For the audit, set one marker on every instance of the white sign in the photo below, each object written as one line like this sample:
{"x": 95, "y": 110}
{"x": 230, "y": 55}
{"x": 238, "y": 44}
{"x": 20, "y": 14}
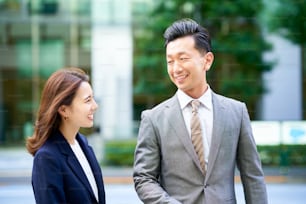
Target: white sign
{"x": 294, "y": 132}
{"x": 266, "y": 132}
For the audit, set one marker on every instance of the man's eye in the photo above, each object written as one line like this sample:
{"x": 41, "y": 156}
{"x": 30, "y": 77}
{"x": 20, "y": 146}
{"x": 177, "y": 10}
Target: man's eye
{"x": 183, "y": 58}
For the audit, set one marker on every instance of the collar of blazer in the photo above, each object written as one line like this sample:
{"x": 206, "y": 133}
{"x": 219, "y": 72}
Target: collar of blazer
{"x": 173, "y": 110}
{"x": 73, "y": 162}
{"x": 219, "y": 121}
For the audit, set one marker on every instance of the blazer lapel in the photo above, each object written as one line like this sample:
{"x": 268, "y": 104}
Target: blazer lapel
{"x": 176, "y": 120}
{"x": 74, "y": 163}
{"x": 217, "y": 132}
{"x": 94, "y": 166}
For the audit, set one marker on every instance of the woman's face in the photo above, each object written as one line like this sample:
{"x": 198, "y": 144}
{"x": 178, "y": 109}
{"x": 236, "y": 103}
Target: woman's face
{"x": 80, "y": 112}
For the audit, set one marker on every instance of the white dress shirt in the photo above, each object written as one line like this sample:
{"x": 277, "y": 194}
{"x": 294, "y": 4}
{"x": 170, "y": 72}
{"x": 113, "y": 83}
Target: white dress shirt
{"x": 85, "y": 166}
{"x": 205, "y": 113}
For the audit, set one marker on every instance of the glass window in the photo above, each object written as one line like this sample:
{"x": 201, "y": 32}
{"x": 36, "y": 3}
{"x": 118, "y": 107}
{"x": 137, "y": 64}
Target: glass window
{"x": 47, "y": 7}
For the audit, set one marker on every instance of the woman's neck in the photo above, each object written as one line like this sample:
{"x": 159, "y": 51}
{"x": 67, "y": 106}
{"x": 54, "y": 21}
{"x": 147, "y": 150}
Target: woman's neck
{"x": 69, "y": 133}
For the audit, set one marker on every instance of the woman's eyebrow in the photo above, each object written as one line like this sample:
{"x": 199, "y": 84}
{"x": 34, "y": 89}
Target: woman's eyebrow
{"x": 87, "y": 97}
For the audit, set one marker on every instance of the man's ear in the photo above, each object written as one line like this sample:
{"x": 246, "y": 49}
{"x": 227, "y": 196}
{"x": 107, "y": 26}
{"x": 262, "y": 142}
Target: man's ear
{"x": 209, "y": 59}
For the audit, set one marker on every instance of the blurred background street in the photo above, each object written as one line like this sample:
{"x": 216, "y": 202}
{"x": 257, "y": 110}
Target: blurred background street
{"x": 284, "y": 186}
{"x": 260, "y": 59}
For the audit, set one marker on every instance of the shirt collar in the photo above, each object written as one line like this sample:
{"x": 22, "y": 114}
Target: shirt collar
{"x": 205, "y": 99}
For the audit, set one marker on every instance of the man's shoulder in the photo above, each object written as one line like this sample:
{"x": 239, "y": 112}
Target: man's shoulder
{"x": 158, "y": 107}
{"x": 226, "y": 99}
{"x": 158, "y": 110}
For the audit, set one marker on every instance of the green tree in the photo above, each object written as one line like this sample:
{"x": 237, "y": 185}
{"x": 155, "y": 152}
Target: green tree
{"x": 288, "y": 18}
{"x": 237, "y": 43}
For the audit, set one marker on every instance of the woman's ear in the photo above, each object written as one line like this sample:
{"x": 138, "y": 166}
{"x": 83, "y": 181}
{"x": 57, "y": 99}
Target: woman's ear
{"x": 62, "y": 110}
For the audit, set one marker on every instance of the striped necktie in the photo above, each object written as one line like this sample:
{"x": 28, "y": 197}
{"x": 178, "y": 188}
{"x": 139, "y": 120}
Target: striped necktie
{"x": 196, "y": 133}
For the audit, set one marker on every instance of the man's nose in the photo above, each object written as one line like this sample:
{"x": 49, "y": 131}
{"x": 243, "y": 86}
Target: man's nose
{"x": 177, "y": 67}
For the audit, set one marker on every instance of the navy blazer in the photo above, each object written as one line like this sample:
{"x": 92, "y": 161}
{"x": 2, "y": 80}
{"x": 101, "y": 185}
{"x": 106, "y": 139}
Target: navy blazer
{"x": 58, "y": 177}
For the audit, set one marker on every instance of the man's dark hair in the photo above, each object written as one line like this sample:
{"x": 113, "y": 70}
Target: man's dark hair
{"x": 188, "y": 27}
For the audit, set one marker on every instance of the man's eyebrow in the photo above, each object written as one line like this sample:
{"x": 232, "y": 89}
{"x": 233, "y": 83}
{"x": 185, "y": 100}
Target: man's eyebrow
{"x": 178, "y": 53}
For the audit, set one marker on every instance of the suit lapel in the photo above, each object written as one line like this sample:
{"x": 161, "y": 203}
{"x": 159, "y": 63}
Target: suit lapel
{"x": 176, "y": 120}
{"x": 74, "y": 163}
{"x": 93, "y": 165}
{"x": 217, "y": 131}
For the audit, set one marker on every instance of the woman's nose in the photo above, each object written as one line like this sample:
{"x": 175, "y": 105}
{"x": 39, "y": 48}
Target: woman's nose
{"x": 95, "y": 105}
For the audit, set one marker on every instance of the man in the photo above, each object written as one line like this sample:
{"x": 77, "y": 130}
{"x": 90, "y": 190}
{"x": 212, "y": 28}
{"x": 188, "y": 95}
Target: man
{"x": 168, "y": 167}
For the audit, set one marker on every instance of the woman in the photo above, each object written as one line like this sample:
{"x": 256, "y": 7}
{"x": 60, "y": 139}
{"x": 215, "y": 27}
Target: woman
{"x": 65, "y": 169}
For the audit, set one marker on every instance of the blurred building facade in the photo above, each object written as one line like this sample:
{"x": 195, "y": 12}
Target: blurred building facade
{"x": 283, "y": 99}
{"x": 38, "y": 37}
{"x": 111, "y": 58}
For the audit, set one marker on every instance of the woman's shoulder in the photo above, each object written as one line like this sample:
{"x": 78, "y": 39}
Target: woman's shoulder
{"x": 50, "y": 147}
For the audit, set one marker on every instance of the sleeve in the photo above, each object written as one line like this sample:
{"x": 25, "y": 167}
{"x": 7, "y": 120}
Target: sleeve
{"x": 47, "y": 179}
{"x": 147, "y": 165}
{"x": 249, "y": 164}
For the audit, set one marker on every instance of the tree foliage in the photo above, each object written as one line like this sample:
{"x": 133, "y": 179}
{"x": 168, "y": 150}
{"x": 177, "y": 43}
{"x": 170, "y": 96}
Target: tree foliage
{"x": 289, "y": 20}
{"x": 237, "y": 42}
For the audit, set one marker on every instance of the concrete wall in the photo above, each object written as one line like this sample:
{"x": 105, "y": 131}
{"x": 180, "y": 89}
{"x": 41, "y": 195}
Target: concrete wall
{"x": 283, "y": 101}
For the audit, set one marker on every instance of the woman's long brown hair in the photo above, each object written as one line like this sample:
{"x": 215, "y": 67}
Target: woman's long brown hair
{"x": 59, "y": 89}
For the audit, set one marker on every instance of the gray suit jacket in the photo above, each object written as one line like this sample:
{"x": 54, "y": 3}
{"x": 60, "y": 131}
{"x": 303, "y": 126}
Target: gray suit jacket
{"x": 166, "y": 168}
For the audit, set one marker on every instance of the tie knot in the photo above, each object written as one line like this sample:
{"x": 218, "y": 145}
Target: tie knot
{"x": 195, "y": 105}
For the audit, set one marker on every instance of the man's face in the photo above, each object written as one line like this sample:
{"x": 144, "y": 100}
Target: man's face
{"x": 187, "y": 66}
